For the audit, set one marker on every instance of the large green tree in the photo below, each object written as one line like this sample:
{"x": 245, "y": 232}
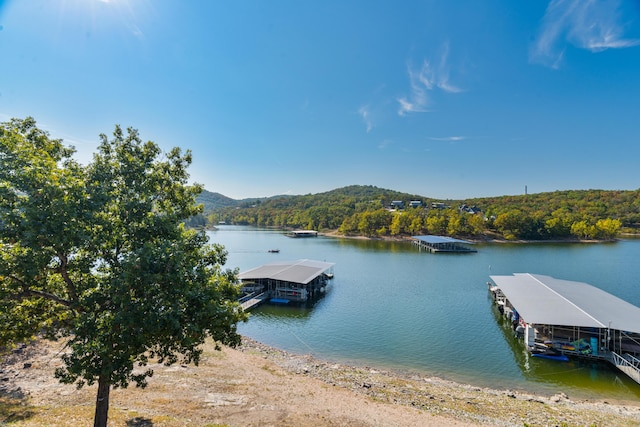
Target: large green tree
{"x": 99, "y": 254}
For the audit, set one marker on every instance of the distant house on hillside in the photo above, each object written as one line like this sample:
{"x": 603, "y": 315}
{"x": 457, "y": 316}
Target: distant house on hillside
{"x": 472, "y": 210}
{"x": 397, "y": 204}
{"x": 415, "y": 203}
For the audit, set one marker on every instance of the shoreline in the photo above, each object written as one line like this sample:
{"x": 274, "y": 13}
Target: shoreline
{"x": 295, "y": 360}
{"x": 488, "y": 240}
{"x": 444, "y": 396}
{"x": 258, "y": 385}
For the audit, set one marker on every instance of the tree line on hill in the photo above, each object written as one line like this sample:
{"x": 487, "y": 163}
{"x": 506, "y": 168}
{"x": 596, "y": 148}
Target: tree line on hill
{"x": 369, "y": 211}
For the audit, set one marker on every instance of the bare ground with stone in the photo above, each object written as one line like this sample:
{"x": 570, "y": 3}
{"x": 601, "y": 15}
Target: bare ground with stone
{"x": 256, "y": 385}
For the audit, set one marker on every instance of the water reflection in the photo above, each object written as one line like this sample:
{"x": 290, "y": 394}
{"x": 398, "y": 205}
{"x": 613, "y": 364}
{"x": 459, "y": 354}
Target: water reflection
{"x": 375, "y": 244}
{"x": 284, "y": 311}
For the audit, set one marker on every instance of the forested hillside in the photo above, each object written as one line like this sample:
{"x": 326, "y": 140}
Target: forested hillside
{"x": 368, "y": 210}
{"x": 215, "y": 201}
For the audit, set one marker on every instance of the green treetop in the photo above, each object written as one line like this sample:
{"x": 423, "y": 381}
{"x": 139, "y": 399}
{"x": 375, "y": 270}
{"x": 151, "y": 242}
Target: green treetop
{"x": 99, "y": 254}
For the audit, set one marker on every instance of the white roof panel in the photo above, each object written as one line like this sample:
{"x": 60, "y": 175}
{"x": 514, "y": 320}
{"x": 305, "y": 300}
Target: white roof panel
{"x": 546, "y": 300}
{"x": 300, "y": 271}
{"x": 440, "y": 239}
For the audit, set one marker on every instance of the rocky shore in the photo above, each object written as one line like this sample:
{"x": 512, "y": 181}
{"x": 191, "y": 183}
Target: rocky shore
{"x": 477, "y": 405}
{"x": 257, "y": 385}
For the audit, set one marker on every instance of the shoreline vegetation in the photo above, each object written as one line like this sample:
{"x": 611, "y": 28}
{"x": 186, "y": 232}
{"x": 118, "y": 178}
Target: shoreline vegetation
{"x": 372, "y": 211}
{"x": 484, "y": 239}
{"x": 487, "y": 237}
{"x": 258, "y": 385}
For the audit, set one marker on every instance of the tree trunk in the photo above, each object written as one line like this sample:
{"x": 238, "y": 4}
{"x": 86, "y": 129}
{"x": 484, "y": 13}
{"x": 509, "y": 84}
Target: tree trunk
{"x": 102, "y": 403}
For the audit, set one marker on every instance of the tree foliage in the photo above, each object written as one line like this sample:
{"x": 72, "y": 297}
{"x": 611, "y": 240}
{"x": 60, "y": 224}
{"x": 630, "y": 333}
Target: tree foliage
{"x": 353, "y": 210}
{"x": 99, "y": 254}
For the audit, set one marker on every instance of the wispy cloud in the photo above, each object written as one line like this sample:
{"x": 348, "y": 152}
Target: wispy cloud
{"x": 365, "y": 113}
{"x": 587, "y": 24}
{"x": 443, "y": 72}
{"x": 424, "y": 80}
{"x": 125, "y": 12}
{"x": 448, "y": 138}
{"x": 385, "y": 143}
{"x": 136, "y": 31}
{"x": 416, "y": 101}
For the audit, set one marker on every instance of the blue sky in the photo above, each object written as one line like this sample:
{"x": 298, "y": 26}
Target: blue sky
{"x": 445, "y": 99}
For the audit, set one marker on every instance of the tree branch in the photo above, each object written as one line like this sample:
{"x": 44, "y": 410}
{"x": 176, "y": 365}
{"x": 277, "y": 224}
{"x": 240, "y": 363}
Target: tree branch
{"x": 71, "y": 287}
{"x": 28, "y": 292}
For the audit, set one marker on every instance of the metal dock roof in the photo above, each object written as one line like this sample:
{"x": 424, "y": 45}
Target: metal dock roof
{"x": 440, "y": 239}
{"x": 546, "y": 300}
{"x": 300, "y": 271}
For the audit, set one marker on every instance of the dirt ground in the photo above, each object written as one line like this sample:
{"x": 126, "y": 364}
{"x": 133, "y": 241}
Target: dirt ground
{"x": 256, "y": 385}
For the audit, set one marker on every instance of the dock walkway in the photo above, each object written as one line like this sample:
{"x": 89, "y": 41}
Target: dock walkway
{"x": 628, "y": 364}
{"x": 254, "y": 301}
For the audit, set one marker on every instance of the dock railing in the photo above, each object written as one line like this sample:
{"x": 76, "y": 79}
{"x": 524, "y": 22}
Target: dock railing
{"x": 253, "y": 300}
{"x": 627, "y": 364}
{"x": 633, "y": 360}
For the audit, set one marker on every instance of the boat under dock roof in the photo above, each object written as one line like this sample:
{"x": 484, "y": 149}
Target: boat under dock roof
{"x": 546, "y": 300}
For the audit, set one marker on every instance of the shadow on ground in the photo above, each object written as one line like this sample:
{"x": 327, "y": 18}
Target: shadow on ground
{"x": 140, "y": 422}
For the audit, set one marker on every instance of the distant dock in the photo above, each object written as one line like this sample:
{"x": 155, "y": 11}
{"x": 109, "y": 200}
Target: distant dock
{"x": 436, "y": 244}
{"x": 302, "y": 233}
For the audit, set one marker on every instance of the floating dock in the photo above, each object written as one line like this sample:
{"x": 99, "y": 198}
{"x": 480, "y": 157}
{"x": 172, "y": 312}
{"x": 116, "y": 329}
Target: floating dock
{"x": 293, "y": 281}
{"x": 302, "y": 233}
{"x": 573, "y": 319}
{"x": 436, "y": 244}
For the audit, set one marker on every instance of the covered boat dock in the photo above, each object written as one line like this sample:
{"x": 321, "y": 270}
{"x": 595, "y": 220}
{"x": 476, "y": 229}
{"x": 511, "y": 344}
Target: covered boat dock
{"x": 288, "y": 281}
{"x": 437, "y": 244}
{"x": 570, "y": 318}
{"x": 302, "y": 233}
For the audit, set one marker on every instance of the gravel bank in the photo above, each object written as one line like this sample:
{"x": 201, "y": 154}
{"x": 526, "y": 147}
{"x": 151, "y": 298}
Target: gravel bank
{"x": 257, "y": 385}
{"x": 459, "y": 401}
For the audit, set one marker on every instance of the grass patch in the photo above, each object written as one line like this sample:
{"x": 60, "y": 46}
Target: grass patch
{"x": 36, "y": 416}
{"x": 12, "y": 410}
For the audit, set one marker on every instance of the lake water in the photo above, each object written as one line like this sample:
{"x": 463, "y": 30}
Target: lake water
{"x": 391, "y": 306}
